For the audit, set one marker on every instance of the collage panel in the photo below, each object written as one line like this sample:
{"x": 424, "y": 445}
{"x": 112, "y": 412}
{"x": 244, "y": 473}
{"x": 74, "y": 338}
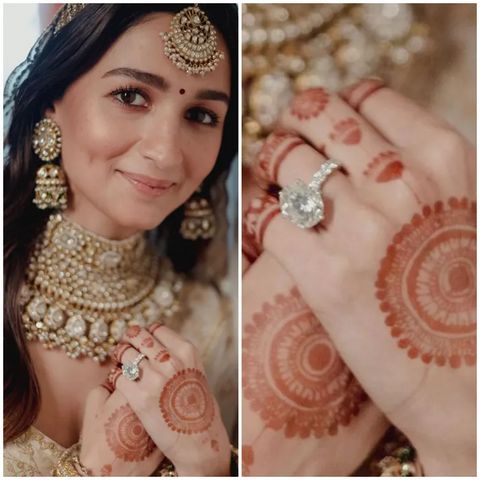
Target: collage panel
{"x": 358, "y": 239}
{"x": 120, "y": 251}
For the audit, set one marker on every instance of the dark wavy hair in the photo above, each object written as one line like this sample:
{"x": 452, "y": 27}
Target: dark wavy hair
{"x": 74, "y": 50}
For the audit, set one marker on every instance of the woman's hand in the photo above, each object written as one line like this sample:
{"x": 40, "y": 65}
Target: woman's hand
{"x": 174, "y": 402}
{"x": 391, "y": 271}
{"x": 113, "y": 440}
{"x": 302, "y": 407}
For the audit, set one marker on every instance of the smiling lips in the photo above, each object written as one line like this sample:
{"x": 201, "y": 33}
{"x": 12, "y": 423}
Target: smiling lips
{"x": 144, "y": 184}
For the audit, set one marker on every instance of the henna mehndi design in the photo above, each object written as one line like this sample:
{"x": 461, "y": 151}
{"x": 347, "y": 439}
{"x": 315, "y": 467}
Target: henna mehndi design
{"x": 309, "y": 104}
{"x": 127, "y": 437}
{"x": 292, "y": 375}
{"x": 427, "y": 284}
{"x": 185, "y": 402}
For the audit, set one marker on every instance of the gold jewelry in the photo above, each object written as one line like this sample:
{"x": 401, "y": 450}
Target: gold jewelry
{"x": 65, "y": 15}
{"x": 166, "y": 469}
{"x": 292, "y": 47}
{"x": 199, "y": 219}
{"x": 50, "y": 183}
{"x": 82, "y": 291}
{"x": 191, "y": 43}
{"x": 69, "y": 464}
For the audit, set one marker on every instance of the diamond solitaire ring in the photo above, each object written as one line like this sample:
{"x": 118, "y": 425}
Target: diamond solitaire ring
{"x": 130, "y": 369}
{"x": 302, "y": 204}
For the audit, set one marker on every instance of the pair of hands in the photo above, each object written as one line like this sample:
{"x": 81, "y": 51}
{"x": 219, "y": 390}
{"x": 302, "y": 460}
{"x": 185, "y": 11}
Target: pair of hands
{"x": 130, "y": 426}
{"x": 391, "y": 272}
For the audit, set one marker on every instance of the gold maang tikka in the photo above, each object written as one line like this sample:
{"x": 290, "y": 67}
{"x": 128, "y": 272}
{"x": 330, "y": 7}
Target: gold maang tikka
{"x": 191, "y": 43}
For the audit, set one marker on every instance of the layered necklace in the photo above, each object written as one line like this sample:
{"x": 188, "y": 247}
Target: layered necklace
{"x": 82, "y": 291}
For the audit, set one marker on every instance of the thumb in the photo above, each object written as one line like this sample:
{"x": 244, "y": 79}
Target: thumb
{"x": 95, "y": 401}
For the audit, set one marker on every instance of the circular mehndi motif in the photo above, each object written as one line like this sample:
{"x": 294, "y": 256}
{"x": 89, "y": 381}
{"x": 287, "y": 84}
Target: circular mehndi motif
{"x": 185, "y": 402}
{"x": 427, "y": 284}
{"x": 292, "y": 375}
{"x": 127, "y": 437}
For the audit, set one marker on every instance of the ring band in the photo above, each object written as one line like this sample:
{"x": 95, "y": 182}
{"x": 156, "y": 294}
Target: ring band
{"x": 130, "y": 370}
{"x": 302, "y": 204}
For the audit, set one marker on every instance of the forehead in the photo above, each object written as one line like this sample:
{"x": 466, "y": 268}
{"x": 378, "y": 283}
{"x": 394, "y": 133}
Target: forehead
{"x": 141, "y": 47}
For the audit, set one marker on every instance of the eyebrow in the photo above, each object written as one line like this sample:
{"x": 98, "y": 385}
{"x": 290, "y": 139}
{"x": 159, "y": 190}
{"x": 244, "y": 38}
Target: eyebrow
{"x": 149, "y": 78}
{"x": 213, "y": 95}
{"x": 160, "y": 83}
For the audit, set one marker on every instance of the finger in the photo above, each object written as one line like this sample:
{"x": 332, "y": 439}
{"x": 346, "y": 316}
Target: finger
{"x": 397, "y": 118}
{"x": 182, "y": 352}
{"x": 339, "y": 196}
{"x": 334, "y": 128}
{"x": 274, "y": 150}
{"x": 357, "y": 93}
{"x": 259, "y": 214}
{"x": 94, "y": 402}
{"x": 144, "y": 341}
{"x": 113, "y": 377}
{"x": 376, "y": 168}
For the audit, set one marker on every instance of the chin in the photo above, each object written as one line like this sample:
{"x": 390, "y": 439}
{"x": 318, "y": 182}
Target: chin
{"x": 135, "y": 220}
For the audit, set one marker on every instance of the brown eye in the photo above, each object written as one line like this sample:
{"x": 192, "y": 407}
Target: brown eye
{"x": 131, "y": 97}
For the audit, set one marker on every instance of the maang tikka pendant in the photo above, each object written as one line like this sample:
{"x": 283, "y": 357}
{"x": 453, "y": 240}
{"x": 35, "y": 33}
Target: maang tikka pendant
{"x": 191, "y": 43}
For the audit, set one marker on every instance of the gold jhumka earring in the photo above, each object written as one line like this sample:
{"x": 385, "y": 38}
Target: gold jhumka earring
{"x": 199, "y": 219}
{"x": 50, "y": 183}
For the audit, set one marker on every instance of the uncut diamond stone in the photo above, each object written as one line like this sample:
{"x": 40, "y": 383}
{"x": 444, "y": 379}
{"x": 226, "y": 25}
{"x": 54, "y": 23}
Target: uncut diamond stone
{"x": 55, "y": 317}
{"x": 76, "y": 326}
{"x": 111, "y": 259}
{"x": 98, "y": 331}
{"x": 37, "y": 309}
{"x": 302, "y": 205}
{"x": 117, "y": 328}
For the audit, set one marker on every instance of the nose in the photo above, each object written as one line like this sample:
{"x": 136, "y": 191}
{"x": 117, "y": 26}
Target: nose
{"x": 161, "y": 146}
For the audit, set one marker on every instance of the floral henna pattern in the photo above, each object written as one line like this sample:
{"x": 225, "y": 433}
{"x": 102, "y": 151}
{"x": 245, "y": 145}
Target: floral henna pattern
{"x": 119, "y": 350}
{"x": 126, "y": 436}
{"x": 133, "y": 331}
{"x": 113, "y": 376}
{"x": 356, "y": 94}
{"x": 147, "y": 342}
{"x": 162, "y": 356}
{"x": 292, "y": 375}
{"x": 215, "y": 446}
{"x": 185, "y": 402}
{"x": 427, "y": 284}
{"x": 247, "y": 459}
{"x": 277, "y": 146}
{"x": 385, "y": 167}
{"x": 347, "y": 132}
{"x": 249, "y": 247}
{"x": 260, "y": 213}
{"x": 309, "y": 104}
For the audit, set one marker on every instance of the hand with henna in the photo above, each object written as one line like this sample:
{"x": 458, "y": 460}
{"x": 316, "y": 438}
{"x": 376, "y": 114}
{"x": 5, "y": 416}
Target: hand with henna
{"x": 391, "y": 270}
{"x": 113, "y": 440}
{"x": 173, "y": 400}
{"x": 302, "y": 406}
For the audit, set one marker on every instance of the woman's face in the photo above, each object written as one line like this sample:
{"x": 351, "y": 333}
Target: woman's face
{"x": 139, "y": 135}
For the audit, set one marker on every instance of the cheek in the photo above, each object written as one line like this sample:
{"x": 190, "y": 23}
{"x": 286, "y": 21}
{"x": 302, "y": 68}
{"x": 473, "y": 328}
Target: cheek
{"x": 202, "y": 156}
{"x": 91, "y": 139}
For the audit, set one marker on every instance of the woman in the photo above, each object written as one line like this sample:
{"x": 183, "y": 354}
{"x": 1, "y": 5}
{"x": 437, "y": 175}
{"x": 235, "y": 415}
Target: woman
{"x": 366, "y": 319}
{"x": 145, "y": 132}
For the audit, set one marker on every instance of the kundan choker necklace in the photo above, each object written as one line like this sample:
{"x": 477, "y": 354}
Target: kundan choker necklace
{"x": 82, "y": 291}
